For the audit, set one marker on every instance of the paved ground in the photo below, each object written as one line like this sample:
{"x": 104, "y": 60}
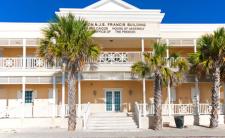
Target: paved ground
{"x": 62, "y": 133}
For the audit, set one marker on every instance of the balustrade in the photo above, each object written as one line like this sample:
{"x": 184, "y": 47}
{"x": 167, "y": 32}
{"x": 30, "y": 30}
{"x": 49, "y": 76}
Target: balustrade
{"x": 180, "y": 109}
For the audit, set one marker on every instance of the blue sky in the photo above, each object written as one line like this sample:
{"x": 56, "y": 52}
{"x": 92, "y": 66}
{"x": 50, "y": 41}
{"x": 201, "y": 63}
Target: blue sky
{"x": 177, "y": 11}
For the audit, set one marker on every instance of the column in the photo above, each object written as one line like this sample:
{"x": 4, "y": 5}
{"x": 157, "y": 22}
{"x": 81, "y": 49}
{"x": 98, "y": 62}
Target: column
{"x": 23, "y": 95}
{"x": 54, "y": 96}
{"x": 24, "y": 78}
{"x": 168, "y": 85}
{"x": 79, "y": 94}
{"x": 24, "y": 53}
{"x": 196, "y": 94}
{"x": 63, "y": 95}
{"x": 143, "y": 81}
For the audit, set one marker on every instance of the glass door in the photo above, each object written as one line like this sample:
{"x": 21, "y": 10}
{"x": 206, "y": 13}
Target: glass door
{"x": 109, "y": 100}
{"x": 113, "y": 101}
{"x": 117, "y": 101}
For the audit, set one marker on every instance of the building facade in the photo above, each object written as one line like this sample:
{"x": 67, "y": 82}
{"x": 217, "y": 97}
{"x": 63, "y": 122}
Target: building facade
{"x": 31, "y": 87}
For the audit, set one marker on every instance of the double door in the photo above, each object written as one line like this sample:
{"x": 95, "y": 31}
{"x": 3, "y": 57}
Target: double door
{"x": 113, "y": 100}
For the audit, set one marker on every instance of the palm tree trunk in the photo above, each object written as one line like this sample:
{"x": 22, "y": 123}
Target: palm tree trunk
{"x": 158, "y": 101}
{"x": 72, "y": 101}
{"x": 215, "y": 98}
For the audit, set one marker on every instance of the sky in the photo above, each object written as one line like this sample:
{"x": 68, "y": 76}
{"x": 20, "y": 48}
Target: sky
{"x": 176, "y": 11}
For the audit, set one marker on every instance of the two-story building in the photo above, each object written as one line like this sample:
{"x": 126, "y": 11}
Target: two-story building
{"x": 31, "y": 88}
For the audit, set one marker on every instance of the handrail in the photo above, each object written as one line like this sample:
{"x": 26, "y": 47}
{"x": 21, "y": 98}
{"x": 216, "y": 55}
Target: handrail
{"x": 86, "y": 114}
{"x": 137, "y": 114}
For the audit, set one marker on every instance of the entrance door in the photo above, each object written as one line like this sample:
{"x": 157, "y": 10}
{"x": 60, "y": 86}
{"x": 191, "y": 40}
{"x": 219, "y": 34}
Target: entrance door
{"x": 113, "y": 100}
{"x": 28, "y": 104}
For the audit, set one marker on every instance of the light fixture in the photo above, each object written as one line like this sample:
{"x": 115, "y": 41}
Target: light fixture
{"x": 94, "y": 92}
{"x": 130, "y": 92}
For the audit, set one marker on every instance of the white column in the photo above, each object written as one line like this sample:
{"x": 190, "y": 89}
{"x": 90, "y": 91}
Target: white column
{"x": 168, "y": 85}
{"x": 23, "y": 95}
{"x": 24, "y": 78}
{"x": 142, "y": 49}
{"x": 195, "y": 45}
{"x": 54, "y": 96}
{"x": 79, "y": 94}
{"x": 143, "y": 81}
{"x": 63, "y": 95}
{"x": 196, "y": 94}
{"x": 24, "y": 53}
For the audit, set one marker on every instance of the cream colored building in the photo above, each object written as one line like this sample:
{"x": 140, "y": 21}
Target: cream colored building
{"x": 30, "y": 87}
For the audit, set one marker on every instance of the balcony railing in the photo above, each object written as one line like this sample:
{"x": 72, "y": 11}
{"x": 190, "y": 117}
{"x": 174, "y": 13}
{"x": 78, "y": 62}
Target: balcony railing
{"x": 31, "y": 63}
{"x": 180, "y": 109}
{"x": 39, "y": 63}
{"x": 117, "y": 58}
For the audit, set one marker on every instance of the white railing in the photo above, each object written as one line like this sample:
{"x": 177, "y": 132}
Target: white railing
{"x": 31, "y": 63}
{"x": 207, "y": 108}
{"x": 137, "y": 113}
{"x": 35, "y": 63}
{"x": 117, "y": 58}
{"x": 86, "y": 114}
{"x": 8, "y": 62}
{"x": 180, "y": 109}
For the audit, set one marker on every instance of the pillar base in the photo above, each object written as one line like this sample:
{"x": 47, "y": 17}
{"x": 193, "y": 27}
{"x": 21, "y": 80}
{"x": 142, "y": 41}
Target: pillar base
{"x": 196, "y": 120}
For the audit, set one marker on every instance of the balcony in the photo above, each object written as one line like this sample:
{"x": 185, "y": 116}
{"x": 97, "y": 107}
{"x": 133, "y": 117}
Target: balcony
{"x": 17, "y": 63}
{"x": 105, "y": 58}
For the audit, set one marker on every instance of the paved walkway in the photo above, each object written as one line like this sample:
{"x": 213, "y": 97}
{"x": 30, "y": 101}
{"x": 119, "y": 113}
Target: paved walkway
{"x": 62, "y": 133}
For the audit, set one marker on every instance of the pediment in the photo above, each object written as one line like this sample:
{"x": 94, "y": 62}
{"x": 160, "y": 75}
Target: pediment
{"x": 111, "y": 5}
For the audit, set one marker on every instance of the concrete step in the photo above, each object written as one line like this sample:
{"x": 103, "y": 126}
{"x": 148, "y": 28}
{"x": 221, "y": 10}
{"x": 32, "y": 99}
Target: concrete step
{"x": 109, "y": 115}
{"x": 112, "y": 130}
{"x": 112, "y": 127}
{"x": 110, "y": 119}
{"x": 109, "y": 125}
{"x": 111, "y": 122}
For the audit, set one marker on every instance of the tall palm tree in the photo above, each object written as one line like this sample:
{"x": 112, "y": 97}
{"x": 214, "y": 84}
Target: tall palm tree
{"x": 69, "y": 41}
{"x": 157, "y": 65}
{"x": 209, "y": 60}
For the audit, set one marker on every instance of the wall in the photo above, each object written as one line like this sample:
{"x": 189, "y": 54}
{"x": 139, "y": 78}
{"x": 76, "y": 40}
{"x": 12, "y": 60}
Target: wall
{"x": 18, "y": 52}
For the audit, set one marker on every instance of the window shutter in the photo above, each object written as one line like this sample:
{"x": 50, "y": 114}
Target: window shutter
{"x": 34, "y": 96}
{"x": 19, "y": 96}
{"x": 173, "y": 94}
{"x": 50, "y": 94}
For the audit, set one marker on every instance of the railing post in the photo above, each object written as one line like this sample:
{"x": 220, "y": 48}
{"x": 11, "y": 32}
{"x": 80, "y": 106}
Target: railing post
{"x": 23, "y": 95}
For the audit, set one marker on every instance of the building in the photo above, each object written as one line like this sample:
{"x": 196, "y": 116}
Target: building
{"x": 32, "y": 88}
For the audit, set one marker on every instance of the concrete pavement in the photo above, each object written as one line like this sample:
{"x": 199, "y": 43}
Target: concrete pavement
{"x": 192, "y": 131}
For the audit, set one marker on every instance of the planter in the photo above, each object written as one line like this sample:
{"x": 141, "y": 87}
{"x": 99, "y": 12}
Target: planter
{"x": 179, "y": 121}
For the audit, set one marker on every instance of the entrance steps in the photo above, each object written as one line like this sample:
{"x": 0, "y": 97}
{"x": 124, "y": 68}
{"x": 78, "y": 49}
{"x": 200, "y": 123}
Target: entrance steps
{"x": 104, "y": 122}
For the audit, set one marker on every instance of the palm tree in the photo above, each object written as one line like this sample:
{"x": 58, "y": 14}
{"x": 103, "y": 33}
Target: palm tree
{"x": 209, "y": 60}
{"x": 69, "y": 41}
{"x": 157, "y": 65}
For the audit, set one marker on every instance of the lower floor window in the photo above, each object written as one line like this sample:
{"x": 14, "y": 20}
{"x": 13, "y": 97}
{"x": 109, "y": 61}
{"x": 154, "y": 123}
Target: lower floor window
{"x": 28, "y": 97}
